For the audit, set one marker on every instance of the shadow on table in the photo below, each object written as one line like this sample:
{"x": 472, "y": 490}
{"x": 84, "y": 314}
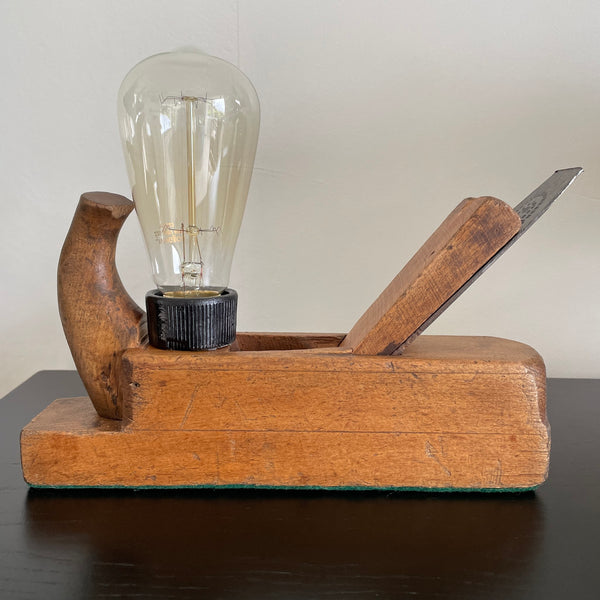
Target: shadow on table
{"x": 268, "y": 544}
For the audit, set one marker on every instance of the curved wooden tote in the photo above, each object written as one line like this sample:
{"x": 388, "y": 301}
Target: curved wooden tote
{"x": 99, "y": 317}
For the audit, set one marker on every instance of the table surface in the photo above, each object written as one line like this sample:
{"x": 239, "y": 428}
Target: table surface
{"x": 300, "y": 545}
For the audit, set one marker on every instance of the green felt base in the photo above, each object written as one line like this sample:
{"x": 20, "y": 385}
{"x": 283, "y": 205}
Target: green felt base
{"x": 285, "y": 488}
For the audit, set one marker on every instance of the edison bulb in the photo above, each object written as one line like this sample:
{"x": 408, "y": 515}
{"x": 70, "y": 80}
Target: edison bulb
{"x": 189, "y": 124}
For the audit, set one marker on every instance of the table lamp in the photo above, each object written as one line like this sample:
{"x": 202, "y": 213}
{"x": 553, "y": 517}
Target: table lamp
{"x": 189, "y": 124}
{"x": 202, "y": 405}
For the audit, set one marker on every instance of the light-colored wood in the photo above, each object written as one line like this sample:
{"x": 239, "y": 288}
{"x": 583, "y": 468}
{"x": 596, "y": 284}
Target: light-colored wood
{"x": 456, "y": 413}
{"x": 472, "y": 234}
{"x": 99, "y": 318}
{"x": 430, "y": 353}
{"x": 89, "y": 456}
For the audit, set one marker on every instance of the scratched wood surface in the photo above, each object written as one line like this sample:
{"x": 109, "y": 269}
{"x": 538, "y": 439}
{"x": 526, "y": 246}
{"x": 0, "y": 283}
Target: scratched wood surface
{"x": 456, "y": 413}
{"x": 99, "y": 318}
{"x": 473, "y": 232}
{"x": 439, "y": 382}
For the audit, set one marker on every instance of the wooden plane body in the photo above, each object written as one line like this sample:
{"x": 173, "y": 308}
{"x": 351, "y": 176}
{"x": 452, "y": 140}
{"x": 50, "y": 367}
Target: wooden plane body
{"x": 294, "y": 410}
{"x": 452, "y": 413}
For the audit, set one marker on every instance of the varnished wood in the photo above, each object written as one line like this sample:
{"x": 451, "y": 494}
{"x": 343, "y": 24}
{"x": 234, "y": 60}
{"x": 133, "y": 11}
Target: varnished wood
{"x": 473, "y": 233}
{"x": 454, "y": 413}
{"x": 285, "y": 341}
{"x": 432, "y": 354}
{"x": 99, "y": 318}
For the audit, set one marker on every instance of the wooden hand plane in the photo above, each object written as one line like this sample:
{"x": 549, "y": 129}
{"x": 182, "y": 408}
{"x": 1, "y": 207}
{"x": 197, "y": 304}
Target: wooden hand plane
{"x": 378, "y": 408}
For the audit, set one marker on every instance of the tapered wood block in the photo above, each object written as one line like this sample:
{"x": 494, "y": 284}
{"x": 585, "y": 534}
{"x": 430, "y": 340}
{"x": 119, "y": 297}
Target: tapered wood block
{"x": 475, "y": 231}
{"x": 451, "y": 413}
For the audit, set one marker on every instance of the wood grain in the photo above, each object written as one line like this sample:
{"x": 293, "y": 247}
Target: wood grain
{"x": 99, "y": 318}
{"x": 285, "y": 341}
{"x": 431, "y": 354}
{"x": 456, "y": 413}
{"x": 474, "y": 232}
{"x": 88, "y": 456}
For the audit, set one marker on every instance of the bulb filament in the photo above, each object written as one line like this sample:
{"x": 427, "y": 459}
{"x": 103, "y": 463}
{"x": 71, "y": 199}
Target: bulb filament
{"x": 192, "y": 265}
{"x": 191, "y": 156}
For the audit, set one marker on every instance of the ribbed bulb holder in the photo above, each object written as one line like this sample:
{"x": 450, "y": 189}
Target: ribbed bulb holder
{"x": 191, "y": 323}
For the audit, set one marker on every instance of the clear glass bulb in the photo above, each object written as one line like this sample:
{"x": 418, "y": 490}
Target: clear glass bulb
{"x": 189, "y": 124}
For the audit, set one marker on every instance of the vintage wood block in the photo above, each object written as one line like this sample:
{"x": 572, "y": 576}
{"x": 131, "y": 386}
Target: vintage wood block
{"x": 99, "y": 318}
{"x": 476, "y": 230}
{"x": 451, "y": 413}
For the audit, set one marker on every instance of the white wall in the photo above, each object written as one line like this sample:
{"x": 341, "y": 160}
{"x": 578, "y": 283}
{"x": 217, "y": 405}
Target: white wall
{"x": 378, "y": 117}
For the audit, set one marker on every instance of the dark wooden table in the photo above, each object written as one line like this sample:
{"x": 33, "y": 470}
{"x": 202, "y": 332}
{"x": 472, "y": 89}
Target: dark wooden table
{"x": 303, "y": 545}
